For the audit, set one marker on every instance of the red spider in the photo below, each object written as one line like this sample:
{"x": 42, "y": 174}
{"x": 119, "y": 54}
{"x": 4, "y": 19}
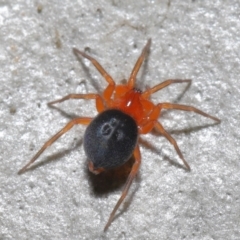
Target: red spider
{"x": 125, "y": 112}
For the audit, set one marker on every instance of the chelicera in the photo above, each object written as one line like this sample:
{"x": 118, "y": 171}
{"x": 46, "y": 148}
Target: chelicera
{"x": 124, "y": 113}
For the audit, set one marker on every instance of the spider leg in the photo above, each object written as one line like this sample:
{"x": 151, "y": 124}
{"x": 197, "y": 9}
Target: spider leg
{"x": 134, "y": 171}
{"x": 111, "y": 84}
{"x": 132, "y": 78}
{"x": 99, "y": 101}
{"x": 187, "y": 108}
{"x": 75, "y": 121}
{"x": 146, "y": 126}
{"x": 162, "y": 85}
{"x": 160, "y": 128}
{"x": 97, "y": 65}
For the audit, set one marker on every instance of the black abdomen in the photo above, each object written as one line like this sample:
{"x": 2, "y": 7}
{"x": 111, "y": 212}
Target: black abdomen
{"x": 110, "y": 139}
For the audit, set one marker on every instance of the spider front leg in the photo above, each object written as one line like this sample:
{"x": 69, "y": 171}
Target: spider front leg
{"x": 111, "y": 84}
{"x": 132, "y": 78}
{"x": 133, "y": 173}
{"x": 99, "y": 101}
{"x": 75, "y": 121}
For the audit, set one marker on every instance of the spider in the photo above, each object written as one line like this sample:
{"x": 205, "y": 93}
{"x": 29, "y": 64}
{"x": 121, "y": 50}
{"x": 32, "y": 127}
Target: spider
{"x": 124, "y": 112}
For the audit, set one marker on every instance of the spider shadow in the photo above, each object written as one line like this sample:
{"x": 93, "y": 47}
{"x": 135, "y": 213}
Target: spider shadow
{"x": 150, "y": 146}
{"x": 86, "y": 71}
{"x": 142, "y": 72}
{"x": 113, "y": 180}
{"x": 109, "y": 180}
{"x": 54, "y": 157}
{"x": 64, "y": 113}
{"x": 180, "y": 96}
{"x": 61, "y": 154}
{"x": 156, "y": 150}
{"x": 191, "y": 129}
{"x": 94, "y": 83}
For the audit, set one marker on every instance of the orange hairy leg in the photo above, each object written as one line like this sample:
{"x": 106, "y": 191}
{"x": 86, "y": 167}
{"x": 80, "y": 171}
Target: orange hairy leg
{"x": 187, "y": 108}
{"x": 99, "y": 101}
{"x": 133, "y": 173}
{"x": 147, "y": 93}
{"x": 75, "y": 121}
{"x": 160, "y": 128}
{"x": 111, "y": 84}
{"x": 132, "y": 78}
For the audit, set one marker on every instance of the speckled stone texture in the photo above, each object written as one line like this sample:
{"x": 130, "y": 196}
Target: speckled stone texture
{"x": 58, "y": 198}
